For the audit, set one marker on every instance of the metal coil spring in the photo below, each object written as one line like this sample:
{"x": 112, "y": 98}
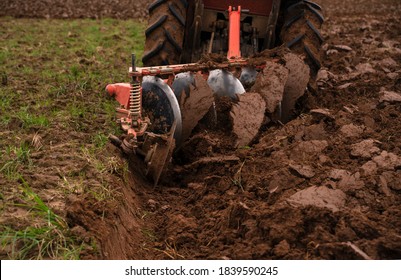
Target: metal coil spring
{"x": 135, "y": 100}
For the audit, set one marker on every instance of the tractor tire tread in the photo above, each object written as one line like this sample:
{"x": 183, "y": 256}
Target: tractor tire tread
{"x": 312, "y": 56}
{"x": 184, "y": 3}
{"x": 300, "y": 32}
{"x": 293, "y": 19}
{"x": 165, "y": 32}
{"x": 151, "y": 53}
{"x": 177, "y": 15}
{"x": 313, "y": 7}
{"x": 317, "y": 32}
{"x": 155, "y": 4}
{"x": 295, "y": 40}
{"x": 155, "y": 25}
{"x": 171, "y": 39}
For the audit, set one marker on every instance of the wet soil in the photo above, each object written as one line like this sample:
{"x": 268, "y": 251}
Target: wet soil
{"x": 247, "y": 117}
{"x": 325, "y": 185}
{"x": 193, "y": 109}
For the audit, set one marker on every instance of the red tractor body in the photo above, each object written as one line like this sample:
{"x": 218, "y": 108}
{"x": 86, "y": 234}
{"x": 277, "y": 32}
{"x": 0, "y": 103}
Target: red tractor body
{"x": 255, "y": 7}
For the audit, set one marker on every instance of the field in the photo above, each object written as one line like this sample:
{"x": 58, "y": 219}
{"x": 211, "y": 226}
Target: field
{"x": 326, "y": 185}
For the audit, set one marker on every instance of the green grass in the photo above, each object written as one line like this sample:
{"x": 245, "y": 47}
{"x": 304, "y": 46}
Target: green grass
{"x": 38, "y": 207}
{"x": 6, "y": 98}
{"x": 5, "y": 106}
{"x": 45, "y": 242}
{"x": 29, "y": 119}
{"x": 77, "y": 111}
{"x": 103, "y": 167}
{"x": 4, "y": 55}
{"x": 42, "y": 241}
{"x": 74, "y": 57}
{"x": 52, "y": 79}
{"x": 100, "y": 140}
{"x": 18, "y": 158}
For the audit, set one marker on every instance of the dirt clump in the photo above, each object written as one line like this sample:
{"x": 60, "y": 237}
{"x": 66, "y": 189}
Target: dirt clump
{"x": 319, "y": 197}
{"x": 194, "y": 109}
{"x": 247, "y": 117}
{"x": 270, "y": 85}
{"x": 298, "y": 78}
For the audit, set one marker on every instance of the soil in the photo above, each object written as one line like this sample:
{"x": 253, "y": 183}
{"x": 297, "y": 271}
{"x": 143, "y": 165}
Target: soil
{"x": 270, "y": 85}
{"x": 193, "y": 109}
{"x": 121, "y": 9}
{"x": 247, "y": 117}
{"x": 325, "y": 185}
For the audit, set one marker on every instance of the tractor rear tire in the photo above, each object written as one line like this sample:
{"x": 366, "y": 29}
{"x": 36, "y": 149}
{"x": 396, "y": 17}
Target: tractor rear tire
{"x": 165, "y": 32}
{"x": 300, "y": 31}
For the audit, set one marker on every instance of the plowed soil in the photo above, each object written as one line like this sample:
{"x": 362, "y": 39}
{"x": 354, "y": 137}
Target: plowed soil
{"x": 326, "y": 185}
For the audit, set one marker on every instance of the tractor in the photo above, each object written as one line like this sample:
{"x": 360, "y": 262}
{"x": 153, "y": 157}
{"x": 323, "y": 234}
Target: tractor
{"x": 195, "y": 44}
{"x": 180, "y": 31}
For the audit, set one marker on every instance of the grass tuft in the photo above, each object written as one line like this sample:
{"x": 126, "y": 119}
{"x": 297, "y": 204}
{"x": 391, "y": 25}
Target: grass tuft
{"x": 19, "y": 157}
{"x": 100, "y": 140}
{"x": 31, "y": 120}
{"x": 36, "y": 205}
{"x": 49, "y": 240}
{"x": 44, "y": 242}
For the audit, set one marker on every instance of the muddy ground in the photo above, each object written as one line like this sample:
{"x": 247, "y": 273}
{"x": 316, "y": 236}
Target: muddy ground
{"x": 326, "y": 185}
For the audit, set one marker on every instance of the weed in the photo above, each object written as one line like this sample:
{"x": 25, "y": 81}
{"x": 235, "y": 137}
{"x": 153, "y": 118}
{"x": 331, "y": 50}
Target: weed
{"x": 102, "y": 192}
{"x": 30, "y": 120}
{"x": 23, "y": 154}
{"x": 4, "y": 55}
{"x": 144, "y": 214}
{"x": 123, "y": 171}
{"x": 10, "y": 170}
{"x": 75, "y": 71}
{"x": 245, "y": 148}
{"x": 5, "y": 104}
{"x": 100, "y": 140}
{"x": 89, "y": 155}
{"x": 109, "y": 108}
{"x": 237, "y": 179}
{"x": 26, "y": 70}
{"x": 77, "y": 111}
{"x": 36, "y": 204}
{"x": 171, "y": 251}
{"x": 58, "y": 91}
{"x": 149, "y": 234}
{"x": 104, "y": 166}
{"x": 38, "y": 243}
{"x": 73, "y": 186}
{"x": 83, "y": 85}
{"x": 18, "y": 157}
{"x": 48, "y": 240}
